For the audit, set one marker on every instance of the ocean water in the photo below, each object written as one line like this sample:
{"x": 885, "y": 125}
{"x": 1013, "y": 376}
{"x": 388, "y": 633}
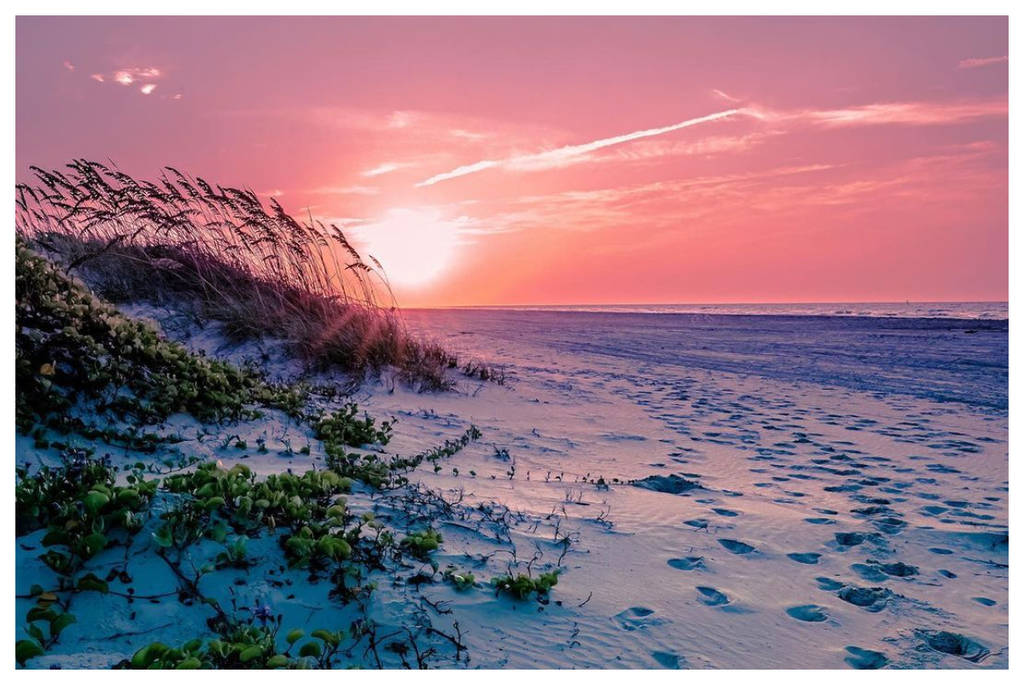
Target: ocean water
{"x": 906, "y": 310}
{"x": 962, "y": 357}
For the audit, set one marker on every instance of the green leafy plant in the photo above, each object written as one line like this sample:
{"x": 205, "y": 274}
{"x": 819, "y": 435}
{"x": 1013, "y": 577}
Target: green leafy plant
{"x": 522, "y": 586}
{"x": 421, "y": 543}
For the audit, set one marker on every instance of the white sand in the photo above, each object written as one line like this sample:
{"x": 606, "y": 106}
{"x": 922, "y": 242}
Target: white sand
{"x": 648, "y": 580}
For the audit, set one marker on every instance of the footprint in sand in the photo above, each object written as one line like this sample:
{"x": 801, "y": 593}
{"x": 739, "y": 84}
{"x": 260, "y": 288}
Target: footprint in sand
{"x": 687, "y": 563}
{"x": 849, "y": 539}
{"x": 668, "y": 659}
{"x": 635, "y": 618}
{"x": 725, "y": 512}
{"x": 865, "y": 659}
{"x": 899, "y": 569}
{"x": 812, "y": 613}
{"x": 869, "y": 572}
{"x": 984, "y": 601}
{"x": 711, "y": 597}
{"x": 872, "y": 599}
{"x": 955, "y": 644}
{"x": 735, "y": 546}
{"x": 828, "y": 584}
{"x": 804, "y": 557}
{"x": 821, "y": 521}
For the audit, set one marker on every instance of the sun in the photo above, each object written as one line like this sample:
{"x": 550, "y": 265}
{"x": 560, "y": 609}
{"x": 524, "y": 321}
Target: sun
{"x": 415, "y": 246}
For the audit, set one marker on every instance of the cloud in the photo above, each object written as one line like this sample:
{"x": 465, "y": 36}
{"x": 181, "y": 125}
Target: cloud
{"x": 975, "y": 62}
{"x": 902, "y": 113}
{"x": 128, "y": 76}
{"x": 385, "y": 168}
{"x": 143, "y": 77}
{"x": 570, "y": 153}
{"x": 950, "y": 177}
{"x": 725, "y": 96}
{"x": 655, "y": 150}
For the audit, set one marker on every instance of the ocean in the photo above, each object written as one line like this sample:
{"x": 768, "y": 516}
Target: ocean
{"x": 962, "y": 357}
{"x": 904, "y": 310}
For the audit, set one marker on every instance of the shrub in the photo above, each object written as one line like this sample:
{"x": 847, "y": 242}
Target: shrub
{"x": 70, "y": 347}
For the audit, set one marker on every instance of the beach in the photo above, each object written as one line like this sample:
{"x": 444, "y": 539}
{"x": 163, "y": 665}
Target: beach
{"x": 800, "y": 431}
{"x": 537, "y": 342}
{"x": 718, "y": 491}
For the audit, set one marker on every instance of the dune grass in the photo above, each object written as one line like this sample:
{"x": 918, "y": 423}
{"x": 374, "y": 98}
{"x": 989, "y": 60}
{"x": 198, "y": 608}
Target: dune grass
{"x": 231, "y": 259}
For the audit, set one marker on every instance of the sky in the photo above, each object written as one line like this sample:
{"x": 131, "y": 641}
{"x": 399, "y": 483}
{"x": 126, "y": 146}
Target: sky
{"x": 569, "y": 160}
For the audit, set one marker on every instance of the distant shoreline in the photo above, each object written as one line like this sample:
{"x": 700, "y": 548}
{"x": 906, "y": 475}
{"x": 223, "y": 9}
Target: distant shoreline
{"x": 958, "y": 311}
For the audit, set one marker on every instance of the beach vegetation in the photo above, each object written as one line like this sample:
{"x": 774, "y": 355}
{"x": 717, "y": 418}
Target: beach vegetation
{"x": 521, "y": 586}
{"x": 226, "y": 257}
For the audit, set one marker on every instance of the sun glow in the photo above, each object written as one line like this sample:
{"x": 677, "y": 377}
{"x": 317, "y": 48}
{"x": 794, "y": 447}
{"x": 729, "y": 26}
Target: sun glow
{"x": 415, "y": 247}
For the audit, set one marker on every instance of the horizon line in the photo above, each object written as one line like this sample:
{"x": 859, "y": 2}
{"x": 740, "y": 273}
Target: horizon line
{"x": 702, "y": 304}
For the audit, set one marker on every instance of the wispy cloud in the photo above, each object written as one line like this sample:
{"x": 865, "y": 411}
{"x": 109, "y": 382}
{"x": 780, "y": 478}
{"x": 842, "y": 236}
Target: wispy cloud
{"x": 904, "y": 113}
{"x": 706, "y": 203}
{"x": 666, "y": 204}
{"x": 385, "y": 168}
{"x": 975, "y": 62}
{"x": 655, "y": 150}
{"x": 723, "y": 95}
{"x": 570, "y": 153}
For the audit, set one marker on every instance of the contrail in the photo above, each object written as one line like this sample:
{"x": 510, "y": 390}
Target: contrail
{"x": 558, "y": 156}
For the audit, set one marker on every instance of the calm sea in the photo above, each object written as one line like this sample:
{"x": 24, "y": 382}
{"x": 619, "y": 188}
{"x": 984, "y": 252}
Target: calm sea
{"x": 903, "y": 310}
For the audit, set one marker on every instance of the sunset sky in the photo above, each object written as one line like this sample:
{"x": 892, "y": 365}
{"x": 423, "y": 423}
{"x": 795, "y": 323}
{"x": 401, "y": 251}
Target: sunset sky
{"x": 569, "y": 160}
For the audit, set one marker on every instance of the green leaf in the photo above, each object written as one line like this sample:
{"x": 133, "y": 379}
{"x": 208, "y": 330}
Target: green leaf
{"x": 36, "y": 632}
{"x": 327, "y": 636}
{"x": 27, "y": 649}
{"x": 163, "y": 537}
{"x": 277, "y": 661}
{"x": 95, "y": 501}
{"x": 310, "y": 649}
{"x": 250, "y": 653}
{"x": 58, "y": 624}
{"x": 129, "y": 496}
{"x": 213, "y": 503}
{"x": 190, "y": 663}
{"x": 148, "y": 654}
{"x": 294, "y": 635}
{"x": 91, "y": 582}
{"x": 219, "y": 532}
{"x": 92, "y": 544}
{"x": 40, "y": 613}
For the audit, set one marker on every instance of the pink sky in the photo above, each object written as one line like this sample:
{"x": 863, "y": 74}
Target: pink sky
{"x": 570, "y": 160}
